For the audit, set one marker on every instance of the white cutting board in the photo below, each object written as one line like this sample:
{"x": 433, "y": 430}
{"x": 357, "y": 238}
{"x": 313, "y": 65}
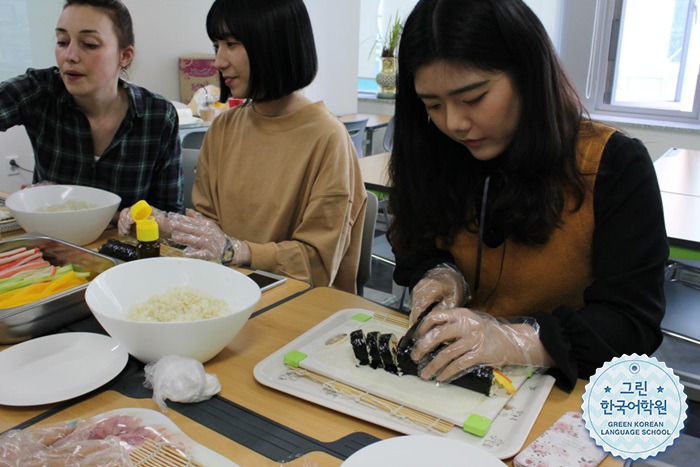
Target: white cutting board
{"x": 330, "y": 354}
{"x": 504, "y": 439}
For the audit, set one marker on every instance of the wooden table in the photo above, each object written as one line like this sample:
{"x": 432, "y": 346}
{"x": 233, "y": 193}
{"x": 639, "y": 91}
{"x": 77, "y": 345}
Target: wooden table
{"x": 375, "y": 171}
{"x": 260, "y": 337}
{"x": 678, "y": 172}
{"x": 298, "y": 315}
{"x": 374, "y": 123}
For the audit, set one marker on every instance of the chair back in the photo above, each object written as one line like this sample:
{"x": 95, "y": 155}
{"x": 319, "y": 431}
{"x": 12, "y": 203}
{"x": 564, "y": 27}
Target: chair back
{"x": 189, "y": 167}
{"x": 365, "y": 270}
{"x": 356, "y": 128}
{"x": 389, "y": 136}
{"x": 193, "y": 139}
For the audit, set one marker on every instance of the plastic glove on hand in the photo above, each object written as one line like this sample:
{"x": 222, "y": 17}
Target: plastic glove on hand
{"x": 450, "y": 342}
{"x": 203, "y": 238}
{"x": 126, "y": 223}
{"x": 32, "y": 185}
{"x": 444, "y": 286}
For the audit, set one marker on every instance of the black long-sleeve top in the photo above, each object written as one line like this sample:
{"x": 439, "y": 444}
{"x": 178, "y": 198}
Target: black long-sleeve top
{"x": 624, "y": 305}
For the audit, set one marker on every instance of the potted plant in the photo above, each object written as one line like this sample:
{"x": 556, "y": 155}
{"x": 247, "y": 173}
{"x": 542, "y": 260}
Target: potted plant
{"x": 390, "y": 41}
{"x": 386, "y": 79}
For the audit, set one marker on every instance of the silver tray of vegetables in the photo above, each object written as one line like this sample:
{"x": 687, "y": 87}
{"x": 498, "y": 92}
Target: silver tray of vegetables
{"x": 42, "y": 285}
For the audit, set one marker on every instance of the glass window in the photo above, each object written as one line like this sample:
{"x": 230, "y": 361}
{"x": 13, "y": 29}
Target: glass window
{"x": 634, "y": 59}
{"x": 654, "y": 54}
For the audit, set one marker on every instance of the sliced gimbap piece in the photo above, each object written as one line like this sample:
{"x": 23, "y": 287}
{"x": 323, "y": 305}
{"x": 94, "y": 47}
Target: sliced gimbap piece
{"x": 387, "y": 352}
{"x": 405, "y": 364}
{"x": 375, "y": 359}
{"x": 359, "y": 347}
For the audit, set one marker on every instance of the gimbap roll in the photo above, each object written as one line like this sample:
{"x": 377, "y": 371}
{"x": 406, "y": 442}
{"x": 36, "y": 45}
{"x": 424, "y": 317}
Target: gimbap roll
{"x": 359, "y": 346}
{"x": 404, "y": 363}
{"x": 383, "y": 351}
{"x": 375, "y": 359}
{"x": 480, "y": 379}
{"x": 387, "y": 352}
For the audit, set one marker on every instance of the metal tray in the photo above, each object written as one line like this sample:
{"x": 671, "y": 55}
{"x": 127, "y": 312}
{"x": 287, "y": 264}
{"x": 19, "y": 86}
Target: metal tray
{"x": 47, "y": 315}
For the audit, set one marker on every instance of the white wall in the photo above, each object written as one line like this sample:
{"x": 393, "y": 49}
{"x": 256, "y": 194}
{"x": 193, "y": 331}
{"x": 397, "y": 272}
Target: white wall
{"x": 27, "y": 38}
{"x": 159, "y": 43}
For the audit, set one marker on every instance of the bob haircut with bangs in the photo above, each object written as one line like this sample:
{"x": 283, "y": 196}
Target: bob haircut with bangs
{"x": 278, "y": 38}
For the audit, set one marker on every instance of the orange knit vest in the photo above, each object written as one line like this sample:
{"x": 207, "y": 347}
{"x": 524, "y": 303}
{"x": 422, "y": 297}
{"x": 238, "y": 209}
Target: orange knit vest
{"x": 523, "y": 278}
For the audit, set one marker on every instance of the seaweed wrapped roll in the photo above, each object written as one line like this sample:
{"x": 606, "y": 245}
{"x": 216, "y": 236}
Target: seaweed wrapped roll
{"x": 387, "y": 352}
{"x": 359, "y": 346}
{"x": 119, "y": 250}
{"x": 375, "y": 359}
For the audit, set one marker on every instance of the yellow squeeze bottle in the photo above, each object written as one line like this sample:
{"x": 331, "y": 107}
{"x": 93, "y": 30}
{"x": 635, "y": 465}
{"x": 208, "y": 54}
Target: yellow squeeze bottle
{"x": 146, "y": 230}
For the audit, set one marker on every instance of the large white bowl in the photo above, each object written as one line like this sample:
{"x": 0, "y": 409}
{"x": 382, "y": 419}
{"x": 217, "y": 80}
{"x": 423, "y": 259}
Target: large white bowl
{"x": 79, "y": 227}
{"x": 112, "y": 294}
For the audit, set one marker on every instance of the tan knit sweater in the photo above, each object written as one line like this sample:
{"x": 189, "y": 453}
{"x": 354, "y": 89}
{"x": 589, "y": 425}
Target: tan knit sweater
{"x": 290, "y": 187}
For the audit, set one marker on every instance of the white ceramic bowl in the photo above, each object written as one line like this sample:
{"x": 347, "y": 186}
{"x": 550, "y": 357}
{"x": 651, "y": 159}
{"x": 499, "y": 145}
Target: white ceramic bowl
{"x": 112, "y": 294}
{"x": 79, "y": 227}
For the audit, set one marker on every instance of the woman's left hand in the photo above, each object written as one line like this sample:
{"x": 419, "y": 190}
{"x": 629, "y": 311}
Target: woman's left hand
{"x": 469, "y": 338}
{"x": 204, "y": 239}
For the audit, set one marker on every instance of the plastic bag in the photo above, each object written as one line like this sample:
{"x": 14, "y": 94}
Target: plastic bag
{"x": 203, "y": 98}
{"x": 179, "y": 379}
{"x": 99, "y": 441}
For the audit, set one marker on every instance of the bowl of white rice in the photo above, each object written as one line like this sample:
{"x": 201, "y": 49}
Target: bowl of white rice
{"x": 172, "y": 306}
{"x": 72, "y": 213}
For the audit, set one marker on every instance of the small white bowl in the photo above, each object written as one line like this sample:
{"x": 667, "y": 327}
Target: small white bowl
{"x": 78, "y": 227}
{"x": 112, "y": 294}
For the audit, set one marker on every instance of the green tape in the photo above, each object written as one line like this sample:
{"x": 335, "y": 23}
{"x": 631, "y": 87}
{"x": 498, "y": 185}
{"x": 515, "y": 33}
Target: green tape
{"x": 477, "y": 425}
{"x": 361, "y": 317}
{"x": 679, "y": 252}
{"x": 294, "y": 358}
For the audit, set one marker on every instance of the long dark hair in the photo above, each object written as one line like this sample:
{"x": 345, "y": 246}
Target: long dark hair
{"x": 279, "y": 40}
{"x": 435, "y": 180}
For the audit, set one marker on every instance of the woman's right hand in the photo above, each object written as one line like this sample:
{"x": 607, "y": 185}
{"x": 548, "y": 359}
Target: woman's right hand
{"x": 444, "y": 286}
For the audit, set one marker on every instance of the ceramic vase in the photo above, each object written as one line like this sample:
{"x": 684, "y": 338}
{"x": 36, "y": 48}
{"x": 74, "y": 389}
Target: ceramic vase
{"x": 386, "y": 78}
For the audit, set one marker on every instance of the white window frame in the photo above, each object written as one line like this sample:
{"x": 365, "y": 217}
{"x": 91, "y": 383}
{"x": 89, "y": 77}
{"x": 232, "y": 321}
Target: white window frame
{"x": 585, "y": 50}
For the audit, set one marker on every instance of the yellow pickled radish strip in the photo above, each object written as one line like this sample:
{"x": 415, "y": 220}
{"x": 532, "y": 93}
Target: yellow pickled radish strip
{"x": 504, "y": 381}
{"x": 28, "y": 289}
{"x": 58, "y": 284}
{"x": 42, "y": 290}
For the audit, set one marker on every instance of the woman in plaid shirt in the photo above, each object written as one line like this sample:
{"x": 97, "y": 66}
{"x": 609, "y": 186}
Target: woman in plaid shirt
{"x": 88, "y": 126}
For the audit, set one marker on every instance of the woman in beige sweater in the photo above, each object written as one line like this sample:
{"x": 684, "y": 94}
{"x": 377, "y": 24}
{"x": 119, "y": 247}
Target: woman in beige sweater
{"x": 278, "y": 185}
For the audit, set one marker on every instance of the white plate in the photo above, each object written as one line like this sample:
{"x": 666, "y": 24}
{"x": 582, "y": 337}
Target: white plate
{"x": 58, "y": 367}
{"x": 420, "y": 450}
{"x": 171, "y": 433}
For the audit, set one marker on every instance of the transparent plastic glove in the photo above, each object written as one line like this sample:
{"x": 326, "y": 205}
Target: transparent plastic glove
{"x": 32, "y": 185}
{"x": 179, "y": 379}
{"x": 126, "y": 223}
{"x": 204, "y": 239}
{"x": 464, "y": 338}
{"x": 70, "y": 444}
{"x": 444, "y": 286}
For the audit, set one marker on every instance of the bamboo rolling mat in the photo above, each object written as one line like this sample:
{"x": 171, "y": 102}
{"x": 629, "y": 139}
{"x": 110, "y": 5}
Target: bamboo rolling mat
{"x": 401, "y": 411}
{"x": 160, "y": 454}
